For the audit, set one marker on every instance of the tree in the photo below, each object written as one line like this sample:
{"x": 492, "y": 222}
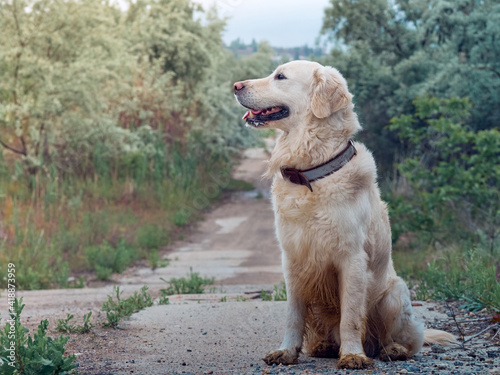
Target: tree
{"x": 85, "y": 83}
{"x": 57, "y": 67}
{"x": 451, "y": 174}
{"x": 392, "y": 52}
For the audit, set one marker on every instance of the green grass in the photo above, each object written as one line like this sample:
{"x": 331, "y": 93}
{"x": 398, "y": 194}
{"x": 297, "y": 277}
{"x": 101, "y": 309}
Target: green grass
{"x": 239, "y": 185}
{"x": 56, "y": 225}
{"x": 467, "y": 274}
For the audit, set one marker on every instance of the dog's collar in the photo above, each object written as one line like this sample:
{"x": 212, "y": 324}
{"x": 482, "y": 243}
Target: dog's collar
{"x": 305, "y": 177}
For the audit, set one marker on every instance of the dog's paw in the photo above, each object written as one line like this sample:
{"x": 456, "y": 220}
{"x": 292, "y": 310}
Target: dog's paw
{"x": 283, "y": 357}
{"x": 394, "y": 352}
{"x": 354, "y": 362}
{"x": 325, "y": 350}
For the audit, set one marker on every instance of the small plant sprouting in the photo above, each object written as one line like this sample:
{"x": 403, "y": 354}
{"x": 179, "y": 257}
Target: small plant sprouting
{"x": 163, "y": 300}
{"x": 64, "y": 325}
{"x": 279, "y": 293}
{"x": 124, "y": 308}
{"x": 193, "y": 284}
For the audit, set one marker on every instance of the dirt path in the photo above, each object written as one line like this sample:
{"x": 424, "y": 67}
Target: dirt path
{"x": 226, "y": 331}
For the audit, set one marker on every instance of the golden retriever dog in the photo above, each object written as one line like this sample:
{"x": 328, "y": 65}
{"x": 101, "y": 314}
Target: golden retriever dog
{"x": 344, "y": 297}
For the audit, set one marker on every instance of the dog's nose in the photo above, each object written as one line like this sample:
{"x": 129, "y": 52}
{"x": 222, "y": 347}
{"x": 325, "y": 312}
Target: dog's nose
{"x": 238, "y": 86}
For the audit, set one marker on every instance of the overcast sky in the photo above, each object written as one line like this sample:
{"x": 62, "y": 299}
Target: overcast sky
{"x": 284, "y": 23}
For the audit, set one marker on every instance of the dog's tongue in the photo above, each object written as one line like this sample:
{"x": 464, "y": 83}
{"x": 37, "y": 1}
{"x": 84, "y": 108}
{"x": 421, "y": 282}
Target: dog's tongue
{"x": 251, "y": 113}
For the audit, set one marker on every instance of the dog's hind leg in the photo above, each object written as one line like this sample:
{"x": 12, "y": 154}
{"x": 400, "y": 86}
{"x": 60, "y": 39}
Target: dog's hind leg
{"x": 404, "y": 336}
{"x": 322, "y": 338}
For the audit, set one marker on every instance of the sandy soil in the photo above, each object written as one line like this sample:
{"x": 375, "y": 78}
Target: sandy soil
{"x": 229, "y": 330}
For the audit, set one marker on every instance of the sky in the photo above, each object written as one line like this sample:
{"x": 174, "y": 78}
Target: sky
{"x": 283, "y": 23}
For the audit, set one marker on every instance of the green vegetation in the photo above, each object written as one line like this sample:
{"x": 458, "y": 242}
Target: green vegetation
{"x": 278, "y": 294}
{"x": 426, "y": 83}
{"x": 392, "y": 52}
{"x": 193, "y": 284}
{"x": 35, "y": 355}
{"x": 451, "y": 175}
{"x": 115, "y": 128}
{"x": 120, "y": 308}
{"x": 239, "y": 185}
{"x": 105, "y": 259}
{"x": 119, "y": 128}
{"x": 64, "y": 325}
{"x": 450, "y": 203}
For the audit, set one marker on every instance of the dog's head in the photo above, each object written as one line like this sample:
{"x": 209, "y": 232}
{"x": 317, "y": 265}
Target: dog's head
{"x": 293, "y": 93}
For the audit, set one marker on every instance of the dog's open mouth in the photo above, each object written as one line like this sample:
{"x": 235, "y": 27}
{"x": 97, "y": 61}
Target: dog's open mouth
{"x": 259, "y": 117}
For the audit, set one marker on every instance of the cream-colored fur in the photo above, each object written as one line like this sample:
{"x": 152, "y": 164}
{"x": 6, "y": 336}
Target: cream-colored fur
{"x": 344, "y": 297}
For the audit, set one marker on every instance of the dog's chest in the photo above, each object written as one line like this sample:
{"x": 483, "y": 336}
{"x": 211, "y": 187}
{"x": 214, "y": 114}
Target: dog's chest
{"x": 307, "y": 226}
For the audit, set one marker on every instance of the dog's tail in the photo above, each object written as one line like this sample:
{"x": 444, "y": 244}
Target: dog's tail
{"x": 435, "y": 336}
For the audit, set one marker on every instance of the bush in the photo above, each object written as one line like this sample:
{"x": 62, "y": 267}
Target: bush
{"x": 446, "y": 207}
{"x": 33, "y": 356}
{"x": 450, "y": 182}
{"x": 105, "y": 259}
{"x": 152, "y": 236}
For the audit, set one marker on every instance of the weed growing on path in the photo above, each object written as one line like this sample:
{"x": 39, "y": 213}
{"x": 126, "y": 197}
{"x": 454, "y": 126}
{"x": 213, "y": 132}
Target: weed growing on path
{"x": 278, "y": 294}
{"x": 35, "y": 355}
{"x": 120, "y": 308}
{"x": 193, "y": 284}
{"x": 64, "y": 325}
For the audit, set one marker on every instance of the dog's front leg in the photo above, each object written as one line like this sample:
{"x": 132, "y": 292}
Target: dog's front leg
{"x": 353, "y": 283}
{"x": 290, "y": 348}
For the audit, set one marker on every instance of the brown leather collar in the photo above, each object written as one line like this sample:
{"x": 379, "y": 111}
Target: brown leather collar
{"x": 305, "y": 177}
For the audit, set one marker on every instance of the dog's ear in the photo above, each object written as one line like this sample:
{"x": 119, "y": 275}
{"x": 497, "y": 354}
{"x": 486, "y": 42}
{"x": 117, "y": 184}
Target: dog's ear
{"x": 329, "y": 92}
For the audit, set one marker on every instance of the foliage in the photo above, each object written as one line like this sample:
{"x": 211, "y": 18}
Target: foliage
{"x": 151, "y": 236}
{"x": 193, "y": 284}
{"x": 34, "y": 257}
{"x": 124, "y": 308}
{"x": 467, "y": 275}
{"x": 64, "y": 325}
{"x": 446, "y": 204}
{"x": 451, "y": 175}
{"x": 105, "y": 259}
{"x": 392, "y": 52}
{"x": 35, "y": 355}
{"x": 107, "y": 118}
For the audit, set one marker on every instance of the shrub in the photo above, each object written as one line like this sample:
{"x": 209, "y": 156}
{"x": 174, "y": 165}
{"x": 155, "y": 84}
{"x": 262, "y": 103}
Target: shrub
{"x": 451, "y": 176}
{"x": 152, "y": 236}
{"x": 105, "y": 259}
{"x": 33, "y": 356}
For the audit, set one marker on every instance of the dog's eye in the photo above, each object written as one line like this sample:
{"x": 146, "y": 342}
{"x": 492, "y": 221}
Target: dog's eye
{"x": 279, "y": 76}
